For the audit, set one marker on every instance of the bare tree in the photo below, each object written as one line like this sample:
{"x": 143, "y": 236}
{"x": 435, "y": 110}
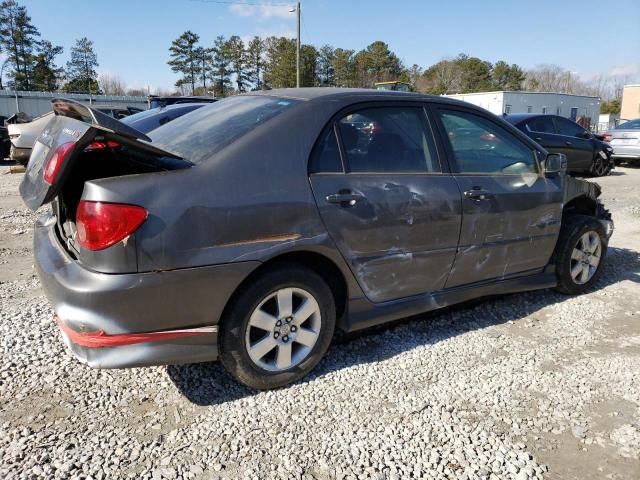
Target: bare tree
{"x": 111, "y": 84}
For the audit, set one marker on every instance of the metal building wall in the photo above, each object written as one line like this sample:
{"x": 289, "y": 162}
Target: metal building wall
{"x": 37, "y": 103}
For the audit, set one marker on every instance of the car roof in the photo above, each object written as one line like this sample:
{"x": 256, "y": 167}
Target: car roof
{"x": 515, "y": 118}
{"x": 177, "y": 106}
{"x": 331, "y": 93}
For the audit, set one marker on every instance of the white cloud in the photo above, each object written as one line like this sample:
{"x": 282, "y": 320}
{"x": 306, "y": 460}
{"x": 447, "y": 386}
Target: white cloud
{"x": 261, "y": 11}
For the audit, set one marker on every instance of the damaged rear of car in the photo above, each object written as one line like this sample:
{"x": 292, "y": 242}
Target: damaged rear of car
{"x": 82, "y": 163}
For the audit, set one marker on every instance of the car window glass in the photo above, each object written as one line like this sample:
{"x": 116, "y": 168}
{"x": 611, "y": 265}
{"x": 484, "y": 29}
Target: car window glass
{"x": 541, "y": 125}
{"x": 326, "y": 156}
{"x": 388, "y": 139}
{"x": 568, "y": 128}
{"x": 209, "y": 129}
{"x": 480, "y": 146}
{"x": 630, "y": 125}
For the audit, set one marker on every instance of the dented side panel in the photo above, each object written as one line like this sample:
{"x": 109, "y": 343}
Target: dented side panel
{"x": 400, "y": 239}
{"x": 513, "y": 231}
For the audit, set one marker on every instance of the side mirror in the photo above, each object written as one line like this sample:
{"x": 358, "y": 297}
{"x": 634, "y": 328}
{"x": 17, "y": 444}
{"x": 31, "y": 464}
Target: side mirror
{"x": 585, "y": 134}
{"x": 555, "y": 163}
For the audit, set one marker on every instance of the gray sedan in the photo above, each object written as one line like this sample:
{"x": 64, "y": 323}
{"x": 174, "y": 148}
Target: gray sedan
{"x": 625, "y": 140}
{"x": 253, "y": 228}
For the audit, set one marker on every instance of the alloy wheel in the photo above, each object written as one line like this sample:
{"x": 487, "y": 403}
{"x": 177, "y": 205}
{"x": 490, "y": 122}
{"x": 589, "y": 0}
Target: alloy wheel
{"x": 600, "y": 167}
{"x": 283, "y": 329}
{"x": 585, "y": 257}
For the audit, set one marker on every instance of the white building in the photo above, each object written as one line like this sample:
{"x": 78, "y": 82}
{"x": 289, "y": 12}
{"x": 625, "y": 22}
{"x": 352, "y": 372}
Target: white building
{"x": 608, "y": 121}
{"x": 564, "y": 104}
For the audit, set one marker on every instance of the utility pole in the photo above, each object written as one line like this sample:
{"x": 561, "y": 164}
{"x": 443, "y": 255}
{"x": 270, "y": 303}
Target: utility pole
{"x": 298, "y": 49}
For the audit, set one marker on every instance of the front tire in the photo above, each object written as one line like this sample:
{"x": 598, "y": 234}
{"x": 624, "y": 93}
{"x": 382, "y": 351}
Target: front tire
{"x": 601, "y": 167}
{"x": 278, "y": 327}
{"x": 580, "y": 254}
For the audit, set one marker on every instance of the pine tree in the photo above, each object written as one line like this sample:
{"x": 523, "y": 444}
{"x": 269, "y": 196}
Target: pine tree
{"x": 326, "y": 57}
{"x": 221, "y": 67}
{"x": 46, "y": 74}
{"x": 186, "y": 58}
{"x": 280, "y": 66}
{"x": 18, "y": 38}
{"x": 255, "y": 62}
{"x": 343, "y": 67}
{"x": 81, "y": 69}
{"x": 238, "y": 62}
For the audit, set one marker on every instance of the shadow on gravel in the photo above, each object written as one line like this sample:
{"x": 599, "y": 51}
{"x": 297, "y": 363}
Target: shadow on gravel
{"x": 7, "y": 163}
{"x": 210, "y": 384}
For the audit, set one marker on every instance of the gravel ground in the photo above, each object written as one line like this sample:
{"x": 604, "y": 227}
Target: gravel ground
{"x": 534, "y": 385}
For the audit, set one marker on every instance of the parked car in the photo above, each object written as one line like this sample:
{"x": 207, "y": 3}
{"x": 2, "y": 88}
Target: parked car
{"x": 253, "y": 228}
{"x": 155, "y": 117}
{"x": 160, "y": 101}
{"x": 585, "y": 153}
{"x": 625, "y": 140}
{"x": 23, "y": 136}
{"x": 23, "y": 131}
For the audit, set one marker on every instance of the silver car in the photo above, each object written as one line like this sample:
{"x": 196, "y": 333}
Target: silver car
{"x": 625, "y": 140}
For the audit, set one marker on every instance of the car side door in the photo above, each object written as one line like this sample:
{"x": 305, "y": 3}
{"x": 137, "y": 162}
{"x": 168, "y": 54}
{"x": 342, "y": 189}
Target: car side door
{"x": 543, "y": 130}
{"x": 577, "y": 147}
{"x": 389, "y": 204}
{"x": 511, "y": 213}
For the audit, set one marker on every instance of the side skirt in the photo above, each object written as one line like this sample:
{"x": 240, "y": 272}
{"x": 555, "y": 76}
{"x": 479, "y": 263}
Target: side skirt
{"x": 364, "y": 314}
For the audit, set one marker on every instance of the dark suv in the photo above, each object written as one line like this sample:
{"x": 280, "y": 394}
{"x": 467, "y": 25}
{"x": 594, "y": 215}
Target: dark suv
{"x": 585, "y": 153}
{"x": 251, "y": 229}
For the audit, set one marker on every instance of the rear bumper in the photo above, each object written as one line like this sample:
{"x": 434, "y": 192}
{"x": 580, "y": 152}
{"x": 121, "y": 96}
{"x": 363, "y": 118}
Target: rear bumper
{"x": 632, "y": 152}
{"x": 139, "y": 319}
{"x": 20, "y": 155}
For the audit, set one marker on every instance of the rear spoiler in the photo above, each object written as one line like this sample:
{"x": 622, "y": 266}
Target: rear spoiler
{"x": 110, "y": 127}
{"x": 95, "y": 118}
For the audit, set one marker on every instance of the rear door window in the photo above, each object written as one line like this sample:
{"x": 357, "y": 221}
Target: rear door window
{"x": 480, "y": 146}
{"x": 326, "y": 155}
{"x": 541, "y": 125}
{"x": 388, "y": 139}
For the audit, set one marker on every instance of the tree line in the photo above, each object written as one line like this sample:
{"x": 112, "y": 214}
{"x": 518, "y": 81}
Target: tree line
{"x": 232, "y": 66}
{"x": 30, "y": 62}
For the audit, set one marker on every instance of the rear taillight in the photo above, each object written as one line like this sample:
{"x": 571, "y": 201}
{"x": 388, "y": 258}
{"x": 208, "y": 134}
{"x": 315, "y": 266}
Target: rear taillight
{"x": 100, "y": 225}
{"x": 56, "y": 161}
{"x": 102, "y": 145}
{"x": 607, "y": 137}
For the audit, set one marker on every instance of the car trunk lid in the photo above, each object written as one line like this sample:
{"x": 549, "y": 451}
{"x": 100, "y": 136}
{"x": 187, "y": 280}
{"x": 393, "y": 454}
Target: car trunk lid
{"x": 624, "y": 137}
{"x": 73, "y": 129}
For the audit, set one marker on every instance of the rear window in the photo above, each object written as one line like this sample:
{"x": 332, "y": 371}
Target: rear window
{"x": 630, "y": 125}
{"x": 209, "y": 129}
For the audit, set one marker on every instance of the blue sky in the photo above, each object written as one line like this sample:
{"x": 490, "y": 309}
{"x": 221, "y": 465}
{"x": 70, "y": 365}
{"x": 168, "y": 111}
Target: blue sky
{"x": 132, "y": 37}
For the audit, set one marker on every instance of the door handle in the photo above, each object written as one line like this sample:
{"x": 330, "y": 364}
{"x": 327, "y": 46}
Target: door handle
{"x": 345, "y": 199}
{"x": 538, "y": 139}
{"x": 568, "y": 143}
{"x": 478, "y": 194}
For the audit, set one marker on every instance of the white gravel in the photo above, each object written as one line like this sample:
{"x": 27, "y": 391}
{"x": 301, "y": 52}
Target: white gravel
{"x": 535, "y": 385}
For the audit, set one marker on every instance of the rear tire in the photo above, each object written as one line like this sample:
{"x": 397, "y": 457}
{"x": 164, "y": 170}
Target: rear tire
{"x": 580, "y": 254}
{"x": 278, "y": 327}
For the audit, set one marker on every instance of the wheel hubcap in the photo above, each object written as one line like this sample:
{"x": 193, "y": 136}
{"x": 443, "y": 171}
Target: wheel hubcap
{"x": 283, "y": 329}
{"x": 585, "y": 257}
{"x": 600, "y": 167}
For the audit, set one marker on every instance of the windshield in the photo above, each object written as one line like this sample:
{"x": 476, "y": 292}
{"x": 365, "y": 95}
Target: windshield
{"x": 630, "y": 125}
{"x": 202, "y": 133}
